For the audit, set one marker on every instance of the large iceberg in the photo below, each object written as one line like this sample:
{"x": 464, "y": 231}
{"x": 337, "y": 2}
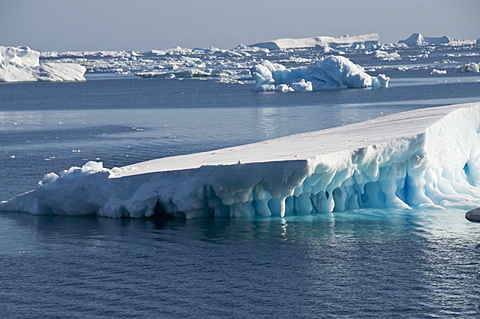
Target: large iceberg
{"x": 332, "y": 72}
{"x": 23, "y": 64}
{"x": 359, "y": 41}
{"x": 423, "y": 158}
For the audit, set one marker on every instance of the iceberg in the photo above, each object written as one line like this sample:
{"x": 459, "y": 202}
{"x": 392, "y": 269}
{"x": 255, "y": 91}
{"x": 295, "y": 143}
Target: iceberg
{"x": 332, "y": 72}
{"x": 385, "y": 56}
{"x": 417, "y": 39}
{"x": 423, "y": 158}
{"x": 23, "y": 64}
{"x": 361, "y": 41}
{"x": 469, "y": 67}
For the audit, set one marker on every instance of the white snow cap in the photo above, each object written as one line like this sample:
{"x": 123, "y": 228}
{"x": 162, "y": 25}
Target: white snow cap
{"x": 424, "y": 158}
{"x": 333, "y": 72}
{"x": 23, "y": 64}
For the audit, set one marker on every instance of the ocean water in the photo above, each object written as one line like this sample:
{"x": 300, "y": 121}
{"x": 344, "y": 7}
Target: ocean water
{"x": 358, "y": 264}
{"x": 369, "y": 264}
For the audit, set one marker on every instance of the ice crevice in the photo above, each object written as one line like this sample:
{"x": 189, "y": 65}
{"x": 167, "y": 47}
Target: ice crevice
{"x": 424, "y": 158}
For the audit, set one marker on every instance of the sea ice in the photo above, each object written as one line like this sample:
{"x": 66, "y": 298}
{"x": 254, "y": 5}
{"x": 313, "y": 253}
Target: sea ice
{"x": 332, "y": 72}
{"x": 23, "y": 64}
{"x": 423, "y": 158}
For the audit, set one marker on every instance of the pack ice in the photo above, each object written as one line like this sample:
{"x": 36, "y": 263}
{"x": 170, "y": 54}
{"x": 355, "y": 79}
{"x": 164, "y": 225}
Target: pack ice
{"x": 332, "y": 72}
{"x": 23, "y": 64}
{"x": 423, "y": 158}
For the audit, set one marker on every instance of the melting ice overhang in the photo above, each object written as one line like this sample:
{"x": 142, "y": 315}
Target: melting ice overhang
{"x": 427, "y": 157}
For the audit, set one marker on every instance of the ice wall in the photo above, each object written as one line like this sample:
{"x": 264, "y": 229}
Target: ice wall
{"x": 423, "y": 158}
{"x": 333, "y": 72}
{"x": 23, "y": 64}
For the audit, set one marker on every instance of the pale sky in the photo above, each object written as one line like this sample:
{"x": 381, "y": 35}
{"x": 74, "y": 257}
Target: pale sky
{"x": 77, "y": 25}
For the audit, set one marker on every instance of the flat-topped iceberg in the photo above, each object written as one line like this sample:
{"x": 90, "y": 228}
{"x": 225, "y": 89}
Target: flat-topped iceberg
{"x": 365, "y": 41}
{"x": 332, "y": 72}
{"x": 424, "y": 158}
{"x": 23, "y": 64}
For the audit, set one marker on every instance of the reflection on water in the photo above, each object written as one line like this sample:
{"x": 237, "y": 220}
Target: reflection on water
{"x": 365, "y": 263}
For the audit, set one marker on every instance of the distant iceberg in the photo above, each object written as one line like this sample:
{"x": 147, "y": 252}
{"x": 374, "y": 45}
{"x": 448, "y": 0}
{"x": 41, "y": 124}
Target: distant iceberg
{"x": 332, "y": 72}
{"x": 417, "y": 39}
{"x": 423, "y": 158}
{"x": 366, "y": 41}
{"x": 469, "y": 67}
{"x": 23, "y": 64}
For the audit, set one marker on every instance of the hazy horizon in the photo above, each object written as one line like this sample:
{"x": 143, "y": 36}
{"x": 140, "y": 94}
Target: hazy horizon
{"x": 58, "y": 25}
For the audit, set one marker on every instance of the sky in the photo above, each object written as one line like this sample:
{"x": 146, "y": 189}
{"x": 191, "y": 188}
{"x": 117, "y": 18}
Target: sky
{"x": 141, "y": 25}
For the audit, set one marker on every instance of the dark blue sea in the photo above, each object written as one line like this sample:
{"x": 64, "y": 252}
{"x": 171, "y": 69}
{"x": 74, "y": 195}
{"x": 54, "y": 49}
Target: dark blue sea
{"x": 357, "y": 264}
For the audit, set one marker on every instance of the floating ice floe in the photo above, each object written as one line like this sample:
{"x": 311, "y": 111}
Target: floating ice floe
{"x": 435, "y": 71}
{"x": 423, "y": 158}
{"x": 417, "y": 39}
{"x": 89, "y": 54}
{"x": 333, "y": 72}
{"x": 23, "y": 64}
{"x": 469, "y": 67}
{"x": 385, "y": 56}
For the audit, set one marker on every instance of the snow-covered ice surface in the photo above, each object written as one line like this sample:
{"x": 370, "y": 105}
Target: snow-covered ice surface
{"x": 423, "y": 158}
{"x": 19, "y": 64}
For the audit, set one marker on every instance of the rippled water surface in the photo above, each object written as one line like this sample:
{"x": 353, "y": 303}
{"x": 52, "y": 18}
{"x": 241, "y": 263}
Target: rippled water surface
{"x": 363, "y": 264}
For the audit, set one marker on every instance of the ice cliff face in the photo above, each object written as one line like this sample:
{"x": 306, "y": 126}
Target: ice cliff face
{"x": 424, "y": 158}
{"x": 23, "y": 64}
{"x": 333, "y": 72}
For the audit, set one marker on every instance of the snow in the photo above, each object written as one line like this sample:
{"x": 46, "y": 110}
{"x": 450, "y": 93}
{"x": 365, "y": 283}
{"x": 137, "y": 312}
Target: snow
{"x": 360, "y": 41}
{"x": 332, "y": 72}
{"x": 23, "y": 64}
{"x": 423, "y": 158}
